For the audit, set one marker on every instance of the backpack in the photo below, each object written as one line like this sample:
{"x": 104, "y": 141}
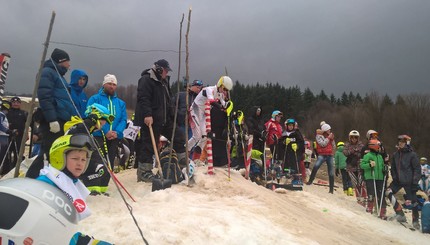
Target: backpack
{"x": 175, "y": 170}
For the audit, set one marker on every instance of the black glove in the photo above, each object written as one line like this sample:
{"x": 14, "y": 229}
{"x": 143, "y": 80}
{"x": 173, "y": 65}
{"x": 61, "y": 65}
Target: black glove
{"x": 337, "y": 172}
{"x": 217, "y": 105}
{"x": 94, "y": 118}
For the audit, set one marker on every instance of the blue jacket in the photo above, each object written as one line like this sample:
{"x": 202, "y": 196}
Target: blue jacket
{"x": 77, "y": 92}
{"x": 52, "y": 94}
{"x": 116, "y": 107}
{"x": 425, "y": 217}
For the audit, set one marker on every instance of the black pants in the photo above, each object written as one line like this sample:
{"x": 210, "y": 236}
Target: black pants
{"x": 371, "y": 193}
{"x": 47, "y": 139}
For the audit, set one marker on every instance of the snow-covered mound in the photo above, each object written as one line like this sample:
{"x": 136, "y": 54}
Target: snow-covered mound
{"x": 219, "y": 210}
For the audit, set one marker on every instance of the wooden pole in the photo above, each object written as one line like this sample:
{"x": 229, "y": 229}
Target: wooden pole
{"x": 187, "y": 77}
{"x": 36, "y": 85}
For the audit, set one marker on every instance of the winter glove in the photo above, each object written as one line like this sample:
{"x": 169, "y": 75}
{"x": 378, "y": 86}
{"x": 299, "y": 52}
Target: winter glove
{"x": 372, "y": 164}
{"x": 337, "y": 172}
{"x": 294, "y": 147}
{"x": 287, "y": 141}
{"x": 54, "y": 127}
{"x": 216, "y": 104}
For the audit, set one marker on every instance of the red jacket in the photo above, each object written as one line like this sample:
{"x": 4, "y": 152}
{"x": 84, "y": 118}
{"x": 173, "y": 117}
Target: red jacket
{"x": 273, "y": 127}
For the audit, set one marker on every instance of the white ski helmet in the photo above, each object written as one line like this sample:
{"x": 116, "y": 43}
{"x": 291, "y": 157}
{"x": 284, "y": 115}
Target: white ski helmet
{"x": 325, "y": 127}
{"x": 370, "y": 132}
{"x": 34, "y": 212}
{"x": 354, "y": 133}
{"x": 226, "y": 82}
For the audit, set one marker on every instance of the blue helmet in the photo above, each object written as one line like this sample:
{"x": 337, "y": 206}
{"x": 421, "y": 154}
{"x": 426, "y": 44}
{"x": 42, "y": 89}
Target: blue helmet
{"x": 276, "y": 113}
{"x": 290, "y": 121}
{"x": 101, "y": 112}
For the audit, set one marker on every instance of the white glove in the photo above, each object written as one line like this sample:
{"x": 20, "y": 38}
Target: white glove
{"x": 54, "y": 127}
{"x": 372, "y": 164}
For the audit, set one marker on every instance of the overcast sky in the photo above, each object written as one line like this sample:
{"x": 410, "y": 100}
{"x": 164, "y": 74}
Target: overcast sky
{"x": 358, "y": 46}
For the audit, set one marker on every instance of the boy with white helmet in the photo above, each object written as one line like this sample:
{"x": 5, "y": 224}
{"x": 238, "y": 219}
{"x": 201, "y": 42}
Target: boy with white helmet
{"x": 425, "y": 175}
{"x": 218, "y": 95}
{"x": 352, "y": 151}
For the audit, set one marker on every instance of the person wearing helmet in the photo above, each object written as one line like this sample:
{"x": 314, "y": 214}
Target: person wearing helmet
{"x": 340, "y": 166}
{"x": 292, "y": 156}
{"x": 406, "y": 173}
{"x": 218, "y": 96}
{"x": 96, "y": 177}
{"x": 372, "y": 134}
{"x": 16, "y": 118}
{"x": 352, "y": 151}
{"x": 193, "y": 90}
{"x": 273, "y": 130}
{"x": 69, "y": 158}
{"x": 154, "y": 109}
{"x": 425, "y": 175}
{"x": 374, "y": 168}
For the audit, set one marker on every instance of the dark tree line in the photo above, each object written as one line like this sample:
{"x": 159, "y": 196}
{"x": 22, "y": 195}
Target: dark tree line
{"x": 407, "y": 114}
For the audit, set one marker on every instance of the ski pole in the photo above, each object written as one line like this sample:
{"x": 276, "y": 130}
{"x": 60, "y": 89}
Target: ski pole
{"x": 5, "y": 155}
{"x": 382, "y": 193}
{"x": 294, "y": 147}
{"x": 374, "y": 191}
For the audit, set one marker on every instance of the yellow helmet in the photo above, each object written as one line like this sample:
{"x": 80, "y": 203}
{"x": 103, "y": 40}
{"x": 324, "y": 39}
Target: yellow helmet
{"x": 66, "y": 143}
{"x": 340, "y": 143}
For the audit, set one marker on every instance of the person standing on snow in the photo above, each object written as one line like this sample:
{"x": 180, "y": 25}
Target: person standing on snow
{"x": 16, "y": 118}
{"x": 406, "y": 173}
{"x": 193, "y": 90}
{"x": 290, "y": 157}
{"x": 154, "y": 108}
{"x": 352, "y": 151}
{"x": 54, "y": 103}
{"x": 256, "y": 127}
{"x": 78, "y": 82}
{"x": 374, "y": 168}
{"x": 273, "y": 130}
{"x": 325, "y": 148}
{"x": 425, "y": 176}
{"x": 340, "y": 164}
{"x": 218, "y": 95}
{"x": 110, "y": 134}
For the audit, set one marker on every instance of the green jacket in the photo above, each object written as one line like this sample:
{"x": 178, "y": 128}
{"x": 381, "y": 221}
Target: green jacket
{"x": 378, "y": 168}
{"x": 340, "y": 158}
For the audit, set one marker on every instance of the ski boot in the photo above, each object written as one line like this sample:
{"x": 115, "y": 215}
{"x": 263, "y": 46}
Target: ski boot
{"x": 383, "y": 213}
{"x": 350, "y": 192}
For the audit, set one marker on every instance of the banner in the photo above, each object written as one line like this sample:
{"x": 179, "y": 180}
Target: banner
{"x": 4, "y": 65}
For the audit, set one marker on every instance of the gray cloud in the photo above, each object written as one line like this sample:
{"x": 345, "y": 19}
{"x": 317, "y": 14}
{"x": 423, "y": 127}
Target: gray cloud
{"x": 337, "y": 46}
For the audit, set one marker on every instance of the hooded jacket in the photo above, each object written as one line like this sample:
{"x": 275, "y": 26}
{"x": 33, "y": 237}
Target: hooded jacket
{"x": 405, "y": 167}
{"x": 52, "y": 94}
{"x": 255, "y": 123}
{"x": 340, "y": 158}
{"x": 77, "y": 92}
{"x": 153, "y": 99}
{"x": 116, "y": 107}
{"x": 377, "y": 172}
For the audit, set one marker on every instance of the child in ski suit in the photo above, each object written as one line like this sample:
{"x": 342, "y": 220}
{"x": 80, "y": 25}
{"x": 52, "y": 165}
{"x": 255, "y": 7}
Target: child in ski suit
{"x": 425, "y": 176}
{"x": 308, "y": 157}
{"x": 340, "y": 165}
{"x": 374, "y": 168}
{"x": 197, "y": 111}
{"x": 352, "y": 151}
{"x": 325, "y": 148}
{"x": 69, "y": 158}
{"x": 292, "y": 156}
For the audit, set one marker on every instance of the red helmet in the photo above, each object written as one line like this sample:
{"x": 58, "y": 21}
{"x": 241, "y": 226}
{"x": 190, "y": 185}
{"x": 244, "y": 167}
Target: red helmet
{"x": 374, "y": 145}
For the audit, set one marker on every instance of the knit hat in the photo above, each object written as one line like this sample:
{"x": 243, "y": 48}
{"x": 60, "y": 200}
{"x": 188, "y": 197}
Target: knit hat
{"x": 59, "y": 56}
{"x": 110, "y": 79}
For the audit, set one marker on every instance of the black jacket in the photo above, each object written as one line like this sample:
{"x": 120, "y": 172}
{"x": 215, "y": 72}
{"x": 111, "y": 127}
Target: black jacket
{"x": 405, "y": 167}
{"x": 16, "y": 119}
{"x": 153, "y": 99}
{"x": 182, "y": 105}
